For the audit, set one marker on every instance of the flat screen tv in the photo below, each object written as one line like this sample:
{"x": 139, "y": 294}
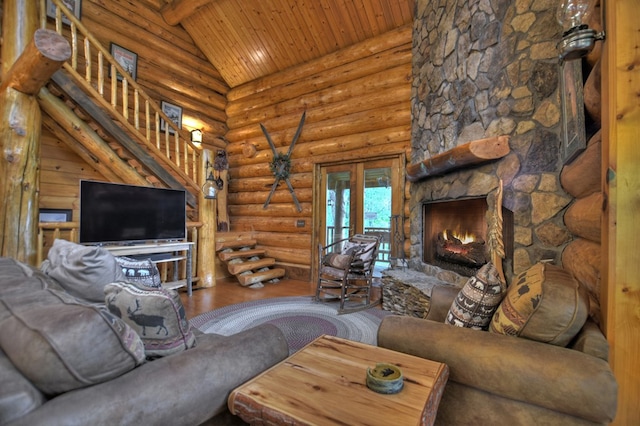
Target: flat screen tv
{"x": 127, "y": 214}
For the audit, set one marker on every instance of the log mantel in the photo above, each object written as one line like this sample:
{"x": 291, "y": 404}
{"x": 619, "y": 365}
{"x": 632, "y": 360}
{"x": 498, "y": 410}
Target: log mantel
{"x": 471, "y": 153}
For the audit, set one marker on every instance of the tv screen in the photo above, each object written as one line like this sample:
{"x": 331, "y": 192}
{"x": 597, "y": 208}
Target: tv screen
{"x": 117, "y": 213}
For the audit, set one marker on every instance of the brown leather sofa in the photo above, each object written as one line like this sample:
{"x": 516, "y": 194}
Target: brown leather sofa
{"x": 48, "y": 362}
{"x": 499, "y": 379}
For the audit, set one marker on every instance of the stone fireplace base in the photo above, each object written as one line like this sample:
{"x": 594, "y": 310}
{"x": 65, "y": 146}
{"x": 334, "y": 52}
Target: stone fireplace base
{"x": 408, "y": 291}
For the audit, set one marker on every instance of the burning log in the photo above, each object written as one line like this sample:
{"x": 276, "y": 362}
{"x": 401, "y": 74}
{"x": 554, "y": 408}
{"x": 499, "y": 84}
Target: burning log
{"x": 453, "y": 249}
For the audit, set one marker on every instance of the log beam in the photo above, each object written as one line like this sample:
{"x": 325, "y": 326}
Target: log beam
{"x": 178, "y": 10}
{"x": 25, "y": 68}
{"x": 81, "y": 131}
{"x": 41, "y": 58}
{"x": 469, "y": 154}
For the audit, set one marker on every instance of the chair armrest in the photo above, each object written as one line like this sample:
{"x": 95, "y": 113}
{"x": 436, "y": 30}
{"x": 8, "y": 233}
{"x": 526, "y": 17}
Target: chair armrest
{"x": 591, "y": 341}
{"x": 442, "y": 297}
{"x": 548, "y": 376}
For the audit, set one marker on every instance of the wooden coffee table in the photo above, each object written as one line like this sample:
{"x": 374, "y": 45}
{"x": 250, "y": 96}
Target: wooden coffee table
{"x": 324, "y": 383}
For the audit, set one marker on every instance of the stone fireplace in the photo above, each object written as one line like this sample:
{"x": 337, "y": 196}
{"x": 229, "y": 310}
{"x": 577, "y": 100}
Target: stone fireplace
{"x": 455, "y": 234}
{"x": 484, "y": 69}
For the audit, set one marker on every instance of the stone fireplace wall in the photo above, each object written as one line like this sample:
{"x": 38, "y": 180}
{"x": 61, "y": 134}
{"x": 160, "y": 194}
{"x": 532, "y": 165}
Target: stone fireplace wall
{"x": 489, "y": 68}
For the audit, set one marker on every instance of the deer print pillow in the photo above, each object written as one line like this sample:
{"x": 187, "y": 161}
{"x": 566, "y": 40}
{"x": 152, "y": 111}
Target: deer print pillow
{"x": 157, "y": 315}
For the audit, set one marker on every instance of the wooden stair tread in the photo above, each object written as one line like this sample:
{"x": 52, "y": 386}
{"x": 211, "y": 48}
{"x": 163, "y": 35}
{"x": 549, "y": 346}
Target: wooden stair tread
{"x": 257, "y": 277}
{"x": 235, "y": 243}
{"x": 228, "y": 255}
{"x": 249, "y": 265}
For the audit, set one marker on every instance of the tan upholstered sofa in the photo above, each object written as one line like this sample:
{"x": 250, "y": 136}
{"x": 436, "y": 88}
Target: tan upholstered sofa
{"x": 502, "y": 379}
{"x": 68, "y": 361}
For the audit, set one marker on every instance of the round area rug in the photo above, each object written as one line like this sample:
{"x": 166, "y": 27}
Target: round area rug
{"x": 301, "y": 320}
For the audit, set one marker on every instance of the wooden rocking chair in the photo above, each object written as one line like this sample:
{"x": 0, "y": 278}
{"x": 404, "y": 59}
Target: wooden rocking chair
{"x": 346, "y": 271}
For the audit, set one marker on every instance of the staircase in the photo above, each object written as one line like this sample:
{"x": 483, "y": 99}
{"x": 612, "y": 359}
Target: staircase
{"x": 246, "y": 263}
{"x": 112, "y": 123}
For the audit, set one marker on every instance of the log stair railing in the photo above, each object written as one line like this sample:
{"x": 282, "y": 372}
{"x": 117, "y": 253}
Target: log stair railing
{"x": 246, "y": 263}
{"x": 125, "y": 101}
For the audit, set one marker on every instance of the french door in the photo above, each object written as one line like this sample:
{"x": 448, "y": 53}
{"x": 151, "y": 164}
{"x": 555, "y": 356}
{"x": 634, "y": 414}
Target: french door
{"x": 361, "y": 198}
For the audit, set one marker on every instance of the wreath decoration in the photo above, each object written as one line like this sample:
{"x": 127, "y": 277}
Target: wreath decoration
{"x": 280, "y": 165}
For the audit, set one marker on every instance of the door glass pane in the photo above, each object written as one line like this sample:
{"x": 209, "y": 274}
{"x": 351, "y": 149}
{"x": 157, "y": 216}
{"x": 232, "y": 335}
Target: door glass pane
{"x": 338, "y": 205}
{"x": 377, "y": 209}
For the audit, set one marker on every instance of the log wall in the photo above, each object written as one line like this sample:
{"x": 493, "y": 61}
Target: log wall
{"x": 357, "y": 107}
{"x": 582, "y": 180}
{"x": 170, "y": 68}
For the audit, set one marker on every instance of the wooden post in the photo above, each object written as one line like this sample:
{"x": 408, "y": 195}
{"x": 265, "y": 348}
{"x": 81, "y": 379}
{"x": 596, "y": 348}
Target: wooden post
{"x": 29, "y": 58}
{"x": 207, "y": 242}
{"x": 620, "y": 297}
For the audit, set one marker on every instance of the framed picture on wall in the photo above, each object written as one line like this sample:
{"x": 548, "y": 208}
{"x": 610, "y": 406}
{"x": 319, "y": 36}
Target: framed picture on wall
{"x": 174, "y": 112}
{"x": 127, "y": 60}
{"x": 75, "y": 6}
{"x": 55, "y": 215}
{"x": 573, "y": 125}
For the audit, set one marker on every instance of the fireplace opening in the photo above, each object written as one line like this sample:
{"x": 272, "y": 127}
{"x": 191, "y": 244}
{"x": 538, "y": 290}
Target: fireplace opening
{"x": 455, "y": 234}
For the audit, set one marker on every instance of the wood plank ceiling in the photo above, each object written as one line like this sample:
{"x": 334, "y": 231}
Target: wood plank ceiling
{"x": 249, "y": 39}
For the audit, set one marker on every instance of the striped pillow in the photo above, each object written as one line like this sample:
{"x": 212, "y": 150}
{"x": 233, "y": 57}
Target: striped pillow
{"x": 475, "y": 304}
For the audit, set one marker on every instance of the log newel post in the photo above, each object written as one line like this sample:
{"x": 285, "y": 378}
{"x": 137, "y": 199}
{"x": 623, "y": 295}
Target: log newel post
{"x": 206, "y": 268}
{"x": 29, "y": 58}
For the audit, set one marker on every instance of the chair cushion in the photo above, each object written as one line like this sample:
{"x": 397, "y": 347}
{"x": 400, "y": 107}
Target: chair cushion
{"x": 141, "y": 271}
{"x": 83, "y": 271}
{"x": 157, "y": 315}
{"x": 544, "y": 303}
{"x": 61, "y": 344}
{"x": 478, "y": 299}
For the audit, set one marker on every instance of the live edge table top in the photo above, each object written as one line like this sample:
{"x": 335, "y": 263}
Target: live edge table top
{"x": 325, "y": 383}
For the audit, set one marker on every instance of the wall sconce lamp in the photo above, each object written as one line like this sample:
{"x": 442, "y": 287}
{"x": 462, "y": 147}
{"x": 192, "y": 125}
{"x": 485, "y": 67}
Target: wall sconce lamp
{"x": 196, "y": 137}
{"x": 577, "y": 39}
{"x": 210, "y": 188}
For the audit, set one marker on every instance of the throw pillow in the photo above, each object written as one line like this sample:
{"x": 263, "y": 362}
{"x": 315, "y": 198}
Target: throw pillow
{"x": 83, "y": 271}
{"x": 337, "y": 260}
{"x": 363, "y": 247}
{"x": 157, "y": 315}
{"x": 60, "y": 344}
{"x": 478, "y": 299}
{"x": 140, "y": 271}
{"x": 544, "y": 303}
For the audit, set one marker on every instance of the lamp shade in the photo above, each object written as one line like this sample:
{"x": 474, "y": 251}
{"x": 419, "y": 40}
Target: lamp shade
{"x": 196, "y": 136}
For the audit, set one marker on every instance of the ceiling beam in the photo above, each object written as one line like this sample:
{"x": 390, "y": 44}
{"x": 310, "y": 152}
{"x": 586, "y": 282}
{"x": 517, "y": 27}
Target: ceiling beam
{"x": 178, "y": 10}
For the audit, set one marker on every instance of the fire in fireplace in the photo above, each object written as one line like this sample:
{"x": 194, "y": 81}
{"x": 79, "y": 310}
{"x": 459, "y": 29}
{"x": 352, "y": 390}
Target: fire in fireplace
{"x": 455, "y": 234}
{"x": 461, "y": 248}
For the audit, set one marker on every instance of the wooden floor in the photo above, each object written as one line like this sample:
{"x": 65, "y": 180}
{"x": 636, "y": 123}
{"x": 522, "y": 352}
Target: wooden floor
{"x": 228, "y": 292}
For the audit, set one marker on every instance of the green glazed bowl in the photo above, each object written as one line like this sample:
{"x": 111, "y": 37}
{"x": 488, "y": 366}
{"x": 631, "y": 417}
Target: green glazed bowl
{"x": 385, "y": 378}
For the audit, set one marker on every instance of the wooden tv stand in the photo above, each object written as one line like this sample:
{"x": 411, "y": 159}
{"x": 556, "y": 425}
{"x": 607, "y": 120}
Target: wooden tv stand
{"x": 159, "y": 253}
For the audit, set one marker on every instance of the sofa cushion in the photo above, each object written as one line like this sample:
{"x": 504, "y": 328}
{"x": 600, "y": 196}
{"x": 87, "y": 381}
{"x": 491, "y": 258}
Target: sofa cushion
{"x": 544, "y": 303}
{"x": 141, "y": 271}
{"x": 17, "y": 395}
{"x": 83, "y": 271}
{"x": 478, "y": 299}
{"x": 16, "y": 276}
{"x": 157, "y": 315}
{"x": 60, "y": 344}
